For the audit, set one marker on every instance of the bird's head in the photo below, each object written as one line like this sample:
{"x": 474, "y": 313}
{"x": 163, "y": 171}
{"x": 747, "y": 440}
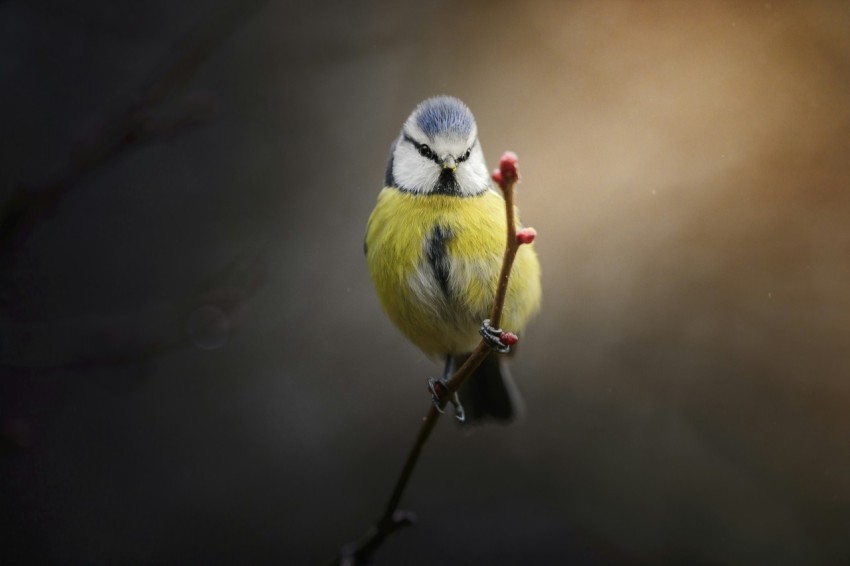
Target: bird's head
{"x": 438, "y": 151}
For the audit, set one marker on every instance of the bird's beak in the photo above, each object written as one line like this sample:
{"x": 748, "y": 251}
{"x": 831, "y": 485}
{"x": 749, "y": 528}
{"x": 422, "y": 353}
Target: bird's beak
{"x": 449, "y": 163}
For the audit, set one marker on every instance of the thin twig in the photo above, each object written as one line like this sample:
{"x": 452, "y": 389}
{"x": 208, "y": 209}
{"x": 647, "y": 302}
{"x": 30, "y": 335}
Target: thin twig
{"x": 392, "y": 519}
{"x": 511, "y": 247}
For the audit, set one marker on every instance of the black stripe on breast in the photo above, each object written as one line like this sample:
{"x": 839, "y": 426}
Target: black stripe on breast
{"x": 436, "y": 250}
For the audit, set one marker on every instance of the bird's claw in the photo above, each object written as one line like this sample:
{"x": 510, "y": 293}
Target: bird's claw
{"x": 439, "y": 388}
{"x": 460, "y": 414}
{"x": 493, "y": 337}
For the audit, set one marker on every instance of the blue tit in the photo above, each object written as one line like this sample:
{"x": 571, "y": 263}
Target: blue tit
{"x": 434, "y": 245}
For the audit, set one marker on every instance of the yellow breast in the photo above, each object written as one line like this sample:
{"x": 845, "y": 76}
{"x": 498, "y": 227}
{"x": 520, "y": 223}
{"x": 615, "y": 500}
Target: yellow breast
{"x": 438, "y": 297}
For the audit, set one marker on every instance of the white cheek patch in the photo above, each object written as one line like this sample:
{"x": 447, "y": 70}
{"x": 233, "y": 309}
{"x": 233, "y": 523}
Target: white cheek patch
{"x": 412, "y": 171}
{"x": 472, "y": 174}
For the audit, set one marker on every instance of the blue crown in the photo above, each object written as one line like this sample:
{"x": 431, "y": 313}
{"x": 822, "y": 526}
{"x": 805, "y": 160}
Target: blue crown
{"x": 444, "y": 115}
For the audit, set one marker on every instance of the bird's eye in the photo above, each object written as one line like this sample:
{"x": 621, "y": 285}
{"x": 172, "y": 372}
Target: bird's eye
{"x": 425, "y": 151}
{"x": 465, "y": 156}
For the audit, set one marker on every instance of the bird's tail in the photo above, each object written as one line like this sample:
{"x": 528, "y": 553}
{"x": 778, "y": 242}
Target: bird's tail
{"x": 490, "y": 394}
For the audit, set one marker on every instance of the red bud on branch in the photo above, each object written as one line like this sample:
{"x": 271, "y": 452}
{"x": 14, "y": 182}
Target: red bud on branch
{"x": 508, "y": 164}
{"x": 526, "y": 236}
{"x": 508, "y": 338}
{"x": 508, "y": 171}
{"x": 440, "y": 389}
{"x": 497, "y": 178}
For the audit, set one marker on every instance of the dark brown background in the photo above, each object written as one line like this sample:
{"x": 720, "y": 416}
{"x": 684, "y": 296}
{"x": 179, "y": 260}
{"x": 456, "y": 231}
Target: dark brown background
{"x": 687, "y": 382}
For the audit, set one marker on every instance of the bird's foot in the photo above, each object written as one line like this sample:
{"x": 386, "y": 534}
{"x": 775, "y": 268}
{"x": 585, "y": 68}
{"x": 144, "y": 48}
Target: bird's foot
{"x": 496, "y": 338}
{"x": 439, "y": 388}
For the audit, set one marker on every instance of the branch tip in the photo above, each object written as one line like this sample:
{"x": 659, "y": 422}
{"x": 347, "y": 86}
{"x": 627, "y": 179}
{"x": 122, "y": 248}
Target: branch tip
{"x": 508, "y": 172}
{"x": 509, "y": 166}
{"x": 508, "y": 160}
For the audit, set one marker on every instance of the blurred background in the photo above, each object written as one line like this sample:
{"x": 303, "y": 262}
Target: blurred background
{"x": 195, "y": 368}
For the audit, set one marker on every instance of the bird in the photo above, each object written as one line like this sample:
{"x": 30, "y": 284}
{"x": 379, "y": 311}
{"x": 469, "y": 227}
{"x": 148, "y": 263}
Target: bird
{"x": 434, "y": 246}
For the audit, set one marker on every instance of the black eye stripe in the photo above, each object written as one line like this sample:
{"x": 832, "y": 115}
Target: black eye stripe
{"x": 426, "y": 151}
{"x": 423, "y": 149}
